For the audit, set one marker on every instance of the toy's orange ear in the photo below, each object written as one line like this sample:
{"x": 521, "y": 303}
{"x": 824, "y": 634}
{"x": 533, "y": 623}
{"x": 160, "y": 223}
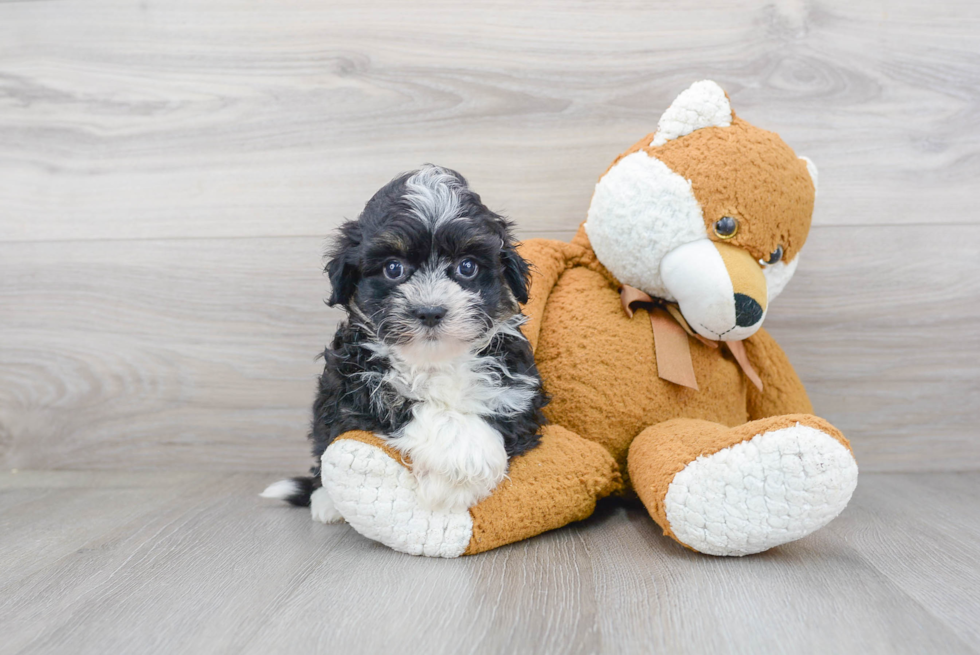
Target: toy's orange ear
{"x": 703, "y": 104}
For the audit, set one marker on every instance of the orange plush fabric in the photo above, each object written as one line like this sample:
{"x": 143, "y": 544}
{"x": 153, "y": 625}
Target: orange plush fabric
{"x": 372, "y": 440}
{"x": 747, "y": 173}
{"x": 556, "y": 483}
{"x": 599, "y": 365}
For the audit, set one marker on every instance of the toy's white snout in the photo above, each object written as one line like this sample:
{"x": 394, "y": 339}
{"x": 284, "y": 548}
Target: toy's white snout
{"x": 721, "y": 290}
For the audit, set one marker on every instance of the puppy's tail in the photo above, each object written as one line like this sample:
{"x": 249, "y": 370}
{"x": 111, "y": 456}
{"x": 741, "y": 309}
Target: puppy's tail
{"x": 295, "y": 491}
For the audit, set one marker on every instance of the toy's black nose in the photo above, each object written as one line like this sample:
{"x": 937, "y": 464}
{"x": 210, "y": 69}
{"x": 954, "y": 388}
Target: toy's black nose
{"x": 747, "y": 311}
{"x": 429, "y": 316}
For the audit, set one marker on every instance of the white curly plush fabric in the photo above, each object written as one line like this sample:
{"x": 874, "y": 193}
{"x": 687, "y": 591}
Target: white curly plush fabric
{"x": 377, "y": 496}
{"x": 703, "y": 104}
{"x": 640, "y": 211}
{"x": 772, "y": 489}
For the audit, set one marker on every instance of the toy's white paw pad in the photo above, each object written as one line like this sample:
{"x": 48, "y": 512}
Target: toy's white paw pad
{"x": 322, "y": 508}
{"x": 775, "y": 488}
{"x": 378, "y": 497}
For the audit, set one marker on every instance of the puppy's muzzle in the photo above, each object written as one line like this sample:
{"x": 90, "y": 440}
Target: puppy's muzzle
{"x": 429, "y": 316}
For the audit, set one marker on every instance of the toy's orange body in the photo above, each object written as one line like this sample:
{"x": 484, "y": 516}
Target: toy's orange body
{"x": 599, "y": 366}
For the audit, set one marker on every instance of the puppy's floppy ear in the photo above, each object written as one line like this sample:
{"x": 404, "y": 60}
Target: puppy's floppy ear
{"x": 517, "y": 273}
{"x": 344, "y": 269}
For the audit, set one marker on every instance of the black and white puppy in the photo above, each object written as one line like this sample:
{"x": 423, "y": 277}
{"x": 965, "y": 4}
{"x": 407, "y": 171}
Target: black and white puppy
{"x": 431, "y": 356}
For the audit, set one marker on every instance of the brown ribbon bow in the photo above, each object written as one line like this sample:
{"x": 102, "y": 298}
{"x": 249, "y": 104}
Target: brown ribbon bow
{"x": 670, "y": 340}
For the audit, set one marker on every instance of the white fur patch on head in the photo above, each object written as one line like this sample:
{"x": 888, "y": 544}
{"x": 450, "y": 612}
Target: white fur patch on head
{"x": 640, "y": 211}
{"x": 379, "y": 498}
{"x": 703, "y": 104}
{"x": 433, "y": 193}
{"x": 769, "y": 490}
{"x": 778, "y": 276}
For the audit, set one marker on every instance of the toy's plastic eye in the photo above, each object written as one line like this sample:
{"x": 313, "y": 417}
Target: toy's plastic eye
{"x": 776, "y": 255}
{"x": 726, "y": 228}
{"x": 394, "y": 270}
{"x": 467, "y": 269}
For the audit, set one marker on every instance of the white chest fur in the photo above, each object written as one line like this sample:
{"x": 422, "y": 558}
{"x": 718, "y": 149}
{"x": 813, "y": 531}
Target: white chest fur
{"x": 457, "y": 457}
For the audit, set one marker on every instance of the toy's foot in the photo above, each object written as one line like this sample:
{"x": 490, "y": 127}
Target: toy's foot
{"x": 548, "y": 487}
{"x": 743, "y": 490}
{"x": 378, "y": 496}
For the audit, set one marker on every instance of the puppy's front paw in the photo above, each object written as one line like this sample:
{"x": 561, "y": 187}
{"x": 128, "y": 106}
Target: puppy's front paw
{"x": 439, "y": 493}
{"x": 322, "y": 508}
{"x": 458, "y": 459}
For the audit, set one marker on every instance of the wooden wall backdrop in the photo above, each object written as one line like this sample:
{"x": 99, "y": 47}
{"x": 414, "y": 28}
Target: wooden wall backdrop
{"x": 169, "y": 171}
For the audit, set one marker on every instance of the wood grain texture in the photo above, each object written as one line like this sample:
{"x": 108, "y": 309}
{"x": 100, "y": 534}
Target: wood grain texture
{"x": 168, "y": 173}
{"x": 158, "y": 354}
{"x": 201, "y": 353}
{"x": 138, "y": 119}
{"x": 932, "y": 557}
{"x": 185, "y": 563}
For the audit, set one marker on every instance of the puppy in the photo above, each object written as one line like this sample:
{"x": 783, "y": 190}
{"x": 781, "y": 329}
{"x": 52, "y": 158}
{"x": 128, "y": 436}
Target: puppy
{"x": 431, "y": 357}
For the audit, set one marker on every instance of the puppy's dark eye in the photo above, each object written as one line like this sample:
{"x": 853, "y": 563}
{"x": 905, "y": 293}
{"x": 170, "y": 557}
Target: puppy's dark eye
{"x": 394, "y": 270}
{"x": 466, "y": 269}
{"x": 726, "y": 228}
{"x": 776, "y": 255}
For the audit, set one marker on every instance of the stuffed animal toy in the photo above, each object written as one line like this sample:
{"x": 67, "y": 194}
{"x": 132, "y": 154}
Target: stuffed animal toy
{"x": 646, "y": 330}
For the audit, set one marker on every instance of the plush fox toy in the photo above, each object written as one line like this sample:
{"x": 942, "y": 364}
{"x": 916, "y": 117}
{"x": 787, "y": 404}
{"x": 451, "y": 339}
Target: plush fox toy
{"x": 646, "y": 330}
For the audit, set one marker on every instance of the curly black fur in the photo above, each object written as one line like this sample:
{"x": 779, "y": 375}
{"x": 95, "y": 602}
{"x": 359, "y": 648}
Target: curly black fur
{"x": 354, "y": 366}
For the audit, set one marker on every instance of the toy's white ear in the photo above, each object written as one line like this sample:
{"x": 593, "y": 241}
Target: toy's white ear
{"x": 703, "y": 104}
{"x": 811, "y": 168}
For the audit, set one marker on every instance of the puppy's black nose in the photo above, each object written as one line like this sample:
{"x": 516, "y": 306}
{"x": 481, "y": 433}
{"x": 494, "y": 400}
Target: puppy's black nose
{"x": 747, "y": 311}
{"x": 429, "y": 316}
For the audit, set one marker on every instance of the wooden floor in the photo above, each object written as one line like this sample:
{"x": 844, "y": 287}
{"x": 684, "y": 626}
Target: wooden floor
{"x": 97, "y": 562}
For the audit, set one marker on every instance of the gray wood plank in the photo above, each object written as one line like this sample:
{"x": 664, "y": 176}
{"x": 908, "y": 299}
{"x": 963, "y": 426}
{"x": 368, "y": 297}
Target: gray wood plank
{"x": 932, "y": 557}
{"x": 819, "y": 595}
{"x": 127, "y": 120}
{"x": 199, "y": 353}
{"x": 126, "y": 350}
{"x": 43, "y": 527}
{"x": 215, "y": 569}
